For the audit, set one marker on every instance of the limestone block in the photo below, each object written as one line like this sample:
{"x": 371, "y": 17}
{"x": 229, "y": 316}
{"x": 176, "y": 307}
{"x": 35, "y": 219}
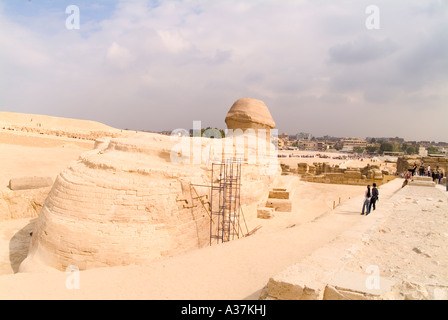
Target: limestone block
{"x": 285, "y": 167}
{"x": 297, "y": 282}
{"x": 335, "y": 177}
{"x": 282, "y": 205}
{"x": 353, "y": 174}
{"x": 346, "y": 285}
{"x": 22, "y": 204}
{"x": 422, "y": 181}
{"x": 377, "y": 174}
{"x": 25, "y": 183}
{"x": 422, "y": 178}
{"x": 265, "y": 213}
{"x": 302, "y": 168}
{"x": 278, "y": 193}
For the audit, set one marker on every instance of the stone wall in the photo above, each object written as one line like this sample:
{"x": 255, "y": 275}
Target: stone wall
{"x": 324, "y": 173}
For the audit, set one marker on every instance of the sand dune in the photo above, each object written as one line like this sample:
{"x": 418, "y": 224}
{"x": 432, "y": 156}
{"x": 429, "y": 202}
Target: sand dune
{"x": 49, "y": 122}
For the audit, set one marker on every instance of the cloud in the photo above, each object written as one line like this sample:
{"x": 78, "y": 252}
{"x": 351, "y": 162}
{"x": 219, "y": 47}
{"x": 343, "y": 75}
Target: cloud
{"x": 119, "y": 56}
{"x": 362, "y": 50}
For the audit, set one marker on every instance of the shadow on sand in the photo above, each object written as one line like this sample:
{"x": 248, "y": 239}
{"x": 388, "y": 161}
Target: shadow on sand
{"x": 19, "y": 245}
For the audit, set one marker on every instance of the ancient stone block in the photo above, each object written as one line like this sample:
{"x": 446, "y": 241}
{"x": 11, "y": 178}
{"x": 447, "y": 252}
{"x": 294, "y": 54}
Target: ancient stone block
{"x": 25, "y": 183}
{"x": 265, "y": 213}
{"x": 419, "y": 181}
{"x": 346, "y": 285}
{"x": 282, "y": 205}
{"x": 298, "y": 282}
{"x": 352, "y": 174}
{"x": 279, "y": 194}
{"x": 302, "y": 168}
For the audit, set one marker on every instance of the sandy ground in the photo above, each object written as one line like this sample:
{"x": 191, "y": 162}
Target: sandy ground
{"x": 36, "y": 155}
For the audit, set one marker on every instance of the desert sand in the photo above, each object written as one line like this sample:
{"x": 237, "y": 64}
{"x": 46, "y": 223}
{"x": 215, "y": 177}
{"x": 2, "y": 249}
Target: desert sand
{"x": 407, "y": 246}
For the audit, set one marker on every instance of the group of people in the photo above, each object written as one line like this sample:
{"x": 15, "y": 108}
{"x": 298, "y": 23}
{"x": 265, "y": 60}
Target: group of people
{"x": 370, "y": 199}
{"x": 436, "y": 175}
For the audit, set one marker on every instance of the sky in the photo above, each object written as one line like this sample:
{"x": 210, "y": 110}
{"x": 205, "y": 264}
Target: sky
{"x": 152, "y": 65}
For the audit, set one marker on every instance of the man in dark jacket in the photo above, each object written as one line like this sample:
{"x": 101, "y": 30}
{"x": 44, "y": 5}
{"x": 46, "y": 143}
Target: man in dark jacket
{"x": 374, "y": 198}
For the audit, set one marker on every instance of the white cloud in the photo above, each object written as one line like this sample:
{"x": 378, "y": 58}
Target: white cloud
{"x": 173, "y": 41}
{"x": 119, "y": 56}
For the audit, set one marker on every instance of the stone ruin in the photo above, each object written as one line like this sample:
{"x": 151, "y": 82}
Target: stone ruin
{"x": 324, "y": 173}
{"x": 127, "y": 202}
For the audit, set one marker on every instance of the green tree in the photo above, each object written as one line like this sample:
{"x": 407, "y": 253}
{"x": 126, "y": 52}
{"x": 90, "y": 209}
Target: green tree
{"x": 372, "y": 149}
{"x": 358, "y": 150}
{"x": 432, "y": 150}
{"x": 386, "y": 146}
{"x": 223, "y": 134}
{"x": 411, "y": 150}
{"x": 404, "y": 147}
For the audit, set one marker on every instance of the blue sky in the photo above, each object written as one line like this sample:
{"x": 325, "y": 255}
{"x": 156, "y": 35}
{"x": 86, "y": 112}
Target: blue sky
{"x": 92, "y": 10}
{"x": 160, "y": 65}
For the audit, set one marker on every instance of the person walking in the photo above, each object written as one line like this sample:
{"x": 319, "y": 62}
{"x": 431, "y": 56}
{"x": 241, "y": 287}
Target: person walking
{"x": 366, "y": 205}
{"x": 375, "y": 194}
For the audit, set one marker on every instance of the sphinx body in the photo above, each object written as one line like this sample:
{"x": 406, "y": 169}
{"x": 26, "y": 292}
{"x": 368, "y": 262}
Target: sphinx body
{"x": 132, "y": 201}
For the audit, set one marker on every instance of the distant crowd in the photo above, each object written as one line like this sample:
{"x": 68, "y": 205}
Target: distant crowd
{"x": 436, "y": 174}
{"x": 323, "y": 156}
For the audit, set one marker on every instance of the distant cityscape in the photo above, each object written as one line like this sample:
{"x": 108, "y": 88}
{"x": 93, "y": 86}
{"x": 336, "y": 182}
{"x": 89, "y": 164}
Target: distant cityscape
{"x": 371, "y": 145}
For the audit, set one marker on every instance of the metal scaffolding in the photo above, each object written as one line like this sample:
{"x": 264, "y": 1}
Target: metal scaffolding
{"x": 225, "y": 201}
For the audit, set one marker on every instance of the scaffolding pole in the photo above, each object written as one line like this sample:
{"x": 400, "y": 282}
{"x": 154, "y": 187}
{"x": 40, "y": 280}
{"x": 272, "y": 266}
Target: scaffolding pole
{"x": 225, "y": 202}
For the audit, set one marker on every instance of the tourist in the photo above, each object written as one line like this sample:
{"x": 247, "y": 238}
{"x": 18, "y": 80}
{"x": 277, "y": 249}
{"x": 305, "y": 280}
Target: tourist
{"x": 373, "y": 200}
{"x": 366, "y": 205}
{"x": 421, "y": 170}
{"x": 440, "y": 178}
{"x": 429, "y": 171}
